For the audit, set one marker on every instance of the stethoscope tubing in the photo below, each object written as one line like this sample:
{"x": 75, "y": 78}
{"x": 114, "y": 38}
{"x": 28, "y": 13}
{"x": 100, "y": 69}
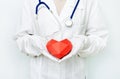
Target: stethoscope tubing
{"x": 36, "y": 12}
{"x": 74, "y": 9}
{"x": 40, "y": 2}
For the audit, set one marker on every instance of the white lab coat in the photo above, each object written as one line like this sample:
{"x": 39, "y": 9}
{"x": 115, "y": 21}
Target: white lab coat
{"x": 88, "y": 36}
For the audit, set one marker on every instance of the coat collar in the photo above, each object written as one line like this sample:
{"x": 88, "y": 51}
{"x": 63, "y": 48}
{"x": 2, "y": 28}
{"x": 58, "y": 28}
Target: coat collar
{"x": 67, "y": 9}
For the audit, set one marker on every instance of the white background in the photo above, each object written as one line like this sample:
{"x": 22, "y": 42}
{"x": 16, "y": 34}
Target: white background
{"x": 15, "y": 65}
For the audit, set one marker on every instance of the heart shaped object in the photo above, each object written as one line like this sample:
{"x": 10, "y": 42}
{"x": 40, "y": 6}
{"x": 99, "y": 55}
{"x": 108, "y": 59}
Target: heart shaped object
{"x": 59, "y": 49}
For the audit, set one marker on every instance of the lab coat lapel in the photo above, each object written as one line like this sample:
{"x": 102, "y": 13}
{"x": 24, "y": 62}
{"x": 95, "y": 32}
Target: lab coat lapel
{"x": 51, "y": 4}
{"x": 47, "y": 23}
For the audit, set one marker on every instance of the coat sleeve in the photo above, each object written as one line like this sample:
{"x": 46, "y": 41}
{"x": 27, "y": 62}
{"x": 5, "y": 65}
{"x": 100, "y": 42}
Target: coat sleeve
{"x": 96, "y": 35}
{"x": 27, "y": 40}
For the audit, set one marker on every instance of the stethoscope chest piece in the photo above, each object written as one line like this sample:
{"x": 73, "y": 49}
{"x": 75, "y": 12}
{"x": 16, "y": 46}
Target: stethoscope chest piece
{"x": 69, "y": 23}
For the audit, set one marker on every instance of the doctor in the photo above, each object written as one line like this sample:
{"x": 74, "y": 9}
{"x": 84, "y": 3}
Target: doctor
{"x": 53, "y": 24}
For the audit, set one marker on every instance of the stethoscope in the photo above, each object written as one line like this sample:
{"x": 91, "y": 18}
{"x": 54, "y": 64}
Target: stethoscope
{"x": 69, "y": 21}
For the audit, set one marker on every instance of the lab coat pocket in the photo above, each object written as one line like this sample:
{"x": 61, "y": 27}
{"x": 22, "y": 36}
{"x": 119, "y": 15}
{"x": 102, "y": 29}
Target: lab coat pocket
{"x": 47, "y": 24}
{"x": 79, "y": 17}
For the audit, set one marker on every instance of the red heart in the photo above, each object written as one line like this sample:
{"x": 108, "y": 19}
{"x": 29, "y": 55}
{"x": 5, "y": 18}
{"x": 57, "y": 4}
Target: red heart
{"x": 59, "y": 49}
